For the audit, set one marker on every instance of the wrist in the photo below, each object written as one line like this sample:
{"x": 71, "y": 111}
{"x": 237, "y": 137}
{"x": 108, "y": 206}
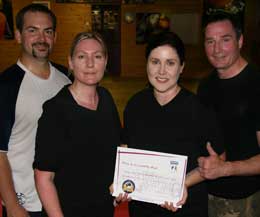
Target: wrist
{"x": 227, "y": 168}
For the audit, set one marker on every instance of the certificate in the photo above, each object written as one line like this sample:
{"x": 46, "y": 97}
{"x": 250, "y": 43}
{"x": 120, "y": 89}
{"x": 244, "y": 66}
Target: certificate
{"x": 149, "y": 176}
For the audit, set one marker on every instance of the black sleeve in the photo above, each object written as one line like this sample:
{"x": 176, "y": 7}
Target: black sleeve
{"x": 125, "y": 130}
{"x": 7, "y": 116}
{"x": 256, "y": 102}
{"x": 49, "y": 139}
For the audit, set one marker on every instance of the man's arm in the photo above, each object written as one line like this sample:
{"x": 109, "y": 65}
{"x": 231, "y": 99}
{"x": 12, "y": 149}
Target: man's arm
{"x": 214, "y": 166}
{"x": 14, "y": 209}
{"x": 48, "y": 193}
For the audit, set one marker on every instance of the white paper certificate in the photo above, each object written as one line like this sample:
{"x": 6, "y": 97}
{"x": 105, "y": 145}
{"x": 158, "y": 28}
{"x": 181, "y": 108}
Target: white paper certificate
{"x": 149, "y": 176}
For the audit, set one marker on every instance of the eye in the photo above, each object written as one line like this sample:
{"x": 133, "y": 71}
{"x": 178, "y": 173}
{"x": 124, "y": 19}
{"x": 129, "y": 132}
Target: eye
{"x": 170, "y": 63}
{"x": 209, "y": 42}
{"x": 98, "y": 56}
{"x": 31, "y": 30}
{"x": 80, "y": 56}
{"x": 49, "y": 32}
{"x": 226, "y": 39}
{"x": 154, "y": 61}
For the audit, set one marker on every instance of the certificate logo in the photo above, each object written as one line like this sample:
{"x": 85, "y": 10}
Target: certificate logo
{"x": 174, "y": 165}
{"x": 128, "y": 186}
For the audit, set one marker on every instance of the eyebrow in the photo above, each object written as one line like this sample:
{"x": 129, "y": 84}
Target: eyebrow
{"x": 35, "y": 27}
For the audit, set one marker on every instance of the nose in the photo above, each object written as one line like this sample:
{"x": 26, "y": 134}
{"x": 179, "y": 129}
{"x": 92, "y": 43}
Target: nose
{"x": 162, "y": 69}
{"x": 217, "y": 47}
{"x": 42, "y": 37}
{"x": 90, "y": 62}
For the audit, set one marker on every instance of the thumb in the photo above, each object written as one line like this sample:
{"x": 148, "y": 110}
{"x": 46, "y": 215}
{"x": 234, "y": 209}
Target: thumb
{"x": 211, "y": 151}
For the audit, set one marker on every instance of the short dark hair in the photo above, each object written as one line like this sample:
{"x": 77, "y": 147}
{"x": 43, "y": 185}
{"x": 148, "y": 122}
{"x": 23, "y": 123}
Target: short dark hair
{"x": 223, "y": 16}
{"x": 166, "y": 38}
{"x": 34, "y": 8}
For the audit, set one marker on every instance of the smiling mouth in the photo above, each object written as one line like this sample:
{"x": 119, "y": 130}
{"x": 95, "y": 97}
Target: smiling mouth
{"x": 219, "y": 57}
{"x": 161, "y": 79}
{"x": 41, "y": 46}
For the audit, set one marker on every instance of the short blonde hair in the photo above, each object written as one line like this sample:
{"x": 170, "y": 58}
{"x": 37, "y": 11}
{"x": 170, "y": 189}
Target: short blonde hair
{"x": 88, "y": 35}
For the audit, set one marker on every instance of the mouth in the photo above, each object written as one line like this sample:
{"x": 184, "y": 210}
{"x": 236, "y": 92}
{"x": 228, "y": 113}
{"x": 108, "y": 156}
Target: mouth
{"x": 161, "y": 80}
{"x": 89, "y": 73}
{"x": 41, "y": 46}
{"x": 219, "y": 57}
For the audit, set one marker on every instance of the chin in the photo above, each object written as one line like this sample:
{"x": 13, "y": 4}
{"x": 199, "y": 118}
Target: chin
{"x": 161, "y": 90}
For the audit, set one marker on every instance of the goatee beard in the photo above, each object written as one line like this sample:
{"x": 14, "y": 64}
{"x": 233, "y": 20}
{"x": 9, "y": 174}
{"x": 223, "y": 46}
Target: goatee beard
{"x": 34, "y": 53}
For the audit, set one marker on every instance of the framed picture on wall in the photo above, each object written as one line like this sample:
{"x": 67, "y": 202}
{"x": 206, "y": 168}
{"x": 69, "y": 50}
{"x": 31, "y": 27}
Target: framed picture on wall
{"x": 234, "y": 7}
{"x": 186, "y": 25}
{"x": 6, "y": 20}
{"x": 45, "y": 3}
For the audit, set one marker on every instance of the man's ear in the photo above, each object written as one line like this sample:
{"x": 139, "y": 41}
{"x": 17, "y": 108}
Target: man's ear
{"x": 55, "y": 36}
{"x": 18, "y": 37}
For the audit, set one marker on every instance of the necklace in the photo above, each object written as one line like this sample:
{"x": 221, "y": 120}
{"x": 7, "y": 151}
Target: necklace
{"x": 83, "y": 101}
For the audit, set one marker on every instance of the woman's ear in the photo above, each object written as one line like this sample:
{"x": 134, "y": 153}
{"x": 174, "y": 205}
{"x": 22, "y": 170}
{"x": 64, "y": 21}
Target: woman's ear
{"x": 70, "y": 63}
{"x": 241, "y": 41}
{"x": 182, "y": 67}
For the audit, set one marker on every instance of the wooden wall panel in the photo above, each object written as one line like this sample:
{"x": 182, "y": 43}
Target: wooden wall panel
{"x": 72, "y": 19}
{"x": 133, "y": 62}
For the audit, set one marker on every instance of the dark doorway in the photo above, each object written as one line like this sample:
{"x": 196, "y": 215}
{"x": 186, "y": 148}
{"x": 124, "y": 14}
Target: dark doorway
{"x": 106, "y": 21}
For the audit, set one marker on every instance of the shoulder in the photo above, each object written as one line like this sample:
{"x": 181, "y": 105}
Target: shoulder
{"x": 141, "y": 96}
{"x": 59, "y": 99}
{"x": 10, "y": 81}
{"x": 12, "y": 73}
{"x": 208, "y": 81}
{"x": 190, "y": 99}
{"x": 104, "y": 93}
{"x": 62, "y": 71}
{"x": 253, "y": 72}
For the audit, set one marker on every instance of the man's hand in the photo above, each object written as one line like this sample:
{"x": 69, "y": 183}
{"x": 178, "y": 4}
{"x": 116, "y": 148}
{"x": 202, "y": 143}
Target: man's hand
{"x": 213, "y": 166}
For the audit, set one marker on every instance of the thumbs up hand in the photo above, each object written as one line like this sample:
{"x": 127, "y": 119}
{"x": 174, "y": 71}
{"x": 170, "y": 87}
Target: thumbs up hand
{"x": 212, "y": 166}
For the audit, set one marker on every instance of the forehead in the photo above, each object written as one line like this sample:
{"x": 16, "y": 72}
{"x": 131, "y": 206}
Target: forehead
{"x": 219, "y": 28}
{"x": 37, "y": 19}
{"x": 163, "y": 51}
{"x": 89, "y": 45}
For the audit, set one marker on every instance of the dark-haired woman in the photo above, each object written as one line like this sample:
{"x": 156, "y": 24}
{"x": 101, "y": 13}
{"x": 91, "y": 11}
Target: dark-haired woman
{"x": 168, "y": 118}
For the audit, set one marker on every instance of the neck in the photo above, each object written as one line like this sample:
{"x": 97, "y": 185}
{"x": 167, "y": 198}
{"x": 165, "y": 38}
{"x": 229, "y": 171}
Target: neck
{"x": 165, "y": 97}
{"x": 233, "y": 70}
{"x": 84, "y": 95}
{"x": 37, "y": 67}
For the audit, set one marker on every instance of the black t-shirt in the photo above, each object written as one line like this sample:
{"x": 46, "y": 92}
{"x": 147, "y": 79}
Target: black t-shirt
{"x": 182, "y": 126}
{"x": 236, "y": 102}
{"x": 79, "y": 145}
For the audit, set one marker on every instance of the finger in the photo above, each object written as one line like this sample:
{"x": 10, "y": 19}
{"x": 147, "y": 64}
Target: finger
{"x": 125, "y": 197}
{"x": 211, "y": 150}
{"x": 171, "y": 207}
{"x": 202, "y": 172}
{"x": 201, "y": 161}
{"x": 111, "y": 189}
{"x": 183, "y": 200}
